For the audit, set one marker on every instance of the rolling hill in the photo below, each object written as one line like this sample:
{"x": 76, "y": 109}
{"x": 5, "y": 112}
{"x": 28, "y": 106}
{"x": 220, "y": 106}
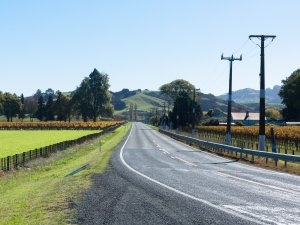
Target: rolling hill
{"x": 148, "y": 100}
{"x": 248, "y": 95}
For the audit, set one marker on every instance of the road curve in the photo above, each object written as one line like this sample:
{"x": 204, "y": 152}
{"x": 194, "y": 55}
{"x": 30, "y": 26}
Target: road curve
{"x": 154, "y": 179}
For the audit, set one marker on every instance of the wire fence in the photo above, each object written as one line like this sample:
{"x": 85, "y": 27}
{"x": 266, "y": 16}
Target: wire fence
{"x": 18, "y": 160}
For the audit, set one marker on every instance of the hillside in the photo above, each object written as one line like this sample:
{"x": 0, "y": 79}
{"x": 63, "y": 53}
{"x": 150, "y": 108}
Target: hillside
{"x": 148, "y": 100}
{"x": 209, "y": 101}
{"x": 143, "y": 101}
{"x": 248, "y": 95}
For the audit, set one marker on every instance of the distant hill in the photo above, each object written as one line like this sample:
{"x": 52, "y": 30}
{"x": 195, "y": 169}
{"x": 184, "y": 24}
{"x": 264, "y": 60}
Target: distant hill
{"x": 209, "y": 101}
{"x": 248, "y": 95}
{"x": 147, "y": 100}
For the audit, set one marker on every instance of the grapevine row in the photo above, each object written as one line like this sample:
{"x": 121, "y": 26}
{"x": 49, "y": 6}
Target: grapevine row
{"x": 58, "y": 125}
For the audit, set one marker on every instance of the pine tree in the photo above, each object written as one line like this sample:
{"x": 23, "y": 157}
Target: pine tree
{"x": 40, "y": 113}
{"x": 49, "y": 109}
{"x": 22, "y": 108}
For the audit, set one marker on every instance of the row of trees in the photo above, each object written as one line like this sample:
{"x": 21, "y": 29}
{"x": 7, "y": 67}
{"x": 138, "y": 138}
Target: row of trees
{"x": 90, "y": 100}
{"x": 11, "y": 105}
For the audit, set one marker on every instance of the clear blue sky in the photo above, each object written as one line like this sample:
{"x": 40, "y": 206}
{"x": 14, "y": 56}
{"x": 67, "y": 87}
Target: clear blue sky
{"x": 144, "y": 44}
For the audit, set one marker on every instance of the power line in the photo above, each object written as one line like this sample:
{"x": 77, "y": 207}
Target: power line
{"x": 252, "y": 55}
{"x": 241, "y": 47}
{"x": 250, "y": 51}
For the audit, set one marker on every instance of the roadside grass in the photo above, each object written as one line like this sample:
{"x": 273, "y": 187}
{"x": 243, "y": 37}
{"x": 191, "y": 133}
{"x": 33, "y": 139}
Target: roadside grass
{"x": 40, "y": 193}
{"x": 18, "y": 141}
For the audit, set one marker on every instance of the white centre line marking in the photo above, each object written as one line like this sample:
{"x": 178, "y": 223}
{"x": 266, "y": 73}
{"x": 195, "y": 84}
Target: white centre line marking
{"x": 186, "y": 162}
{"x": 181, "y": 192}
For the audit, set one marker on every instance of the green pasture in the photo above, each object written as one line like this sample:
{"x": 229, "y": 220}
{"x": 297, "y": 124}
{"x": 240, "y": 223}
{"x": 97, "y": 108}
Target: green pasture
{"x": 40, "y": 194}
{"x": 18, "y": 141}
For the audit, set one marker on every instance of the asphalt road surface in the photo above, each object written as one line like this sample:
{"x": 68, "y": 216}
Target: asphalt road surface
{"x": 154, "y": 179}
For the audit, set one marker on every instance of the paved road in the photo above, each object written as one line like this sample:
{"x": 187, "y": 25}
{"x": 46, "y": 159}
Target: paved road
{"x": 154, "y": 179}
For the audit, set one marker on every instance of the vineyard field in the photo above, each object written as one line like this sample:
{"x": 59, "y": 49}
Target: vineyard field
{"x": 18, "y": 141}
{"x": 58, "y": 125}
{"x": 287, "y": 139}
{"x": 281, "y": 132}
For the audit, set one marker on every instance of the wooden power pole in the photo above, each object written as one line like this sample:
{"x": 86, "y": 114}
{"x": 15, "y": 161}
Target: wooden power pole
{"x": 262, "y": 101}
{"x": 228, "y": 128}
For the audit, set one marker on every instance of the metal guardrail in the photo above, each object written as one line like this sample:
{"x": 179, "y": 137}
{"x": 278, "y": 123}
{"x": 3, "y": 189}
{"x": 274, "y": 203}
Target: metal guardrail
{"x": 207, "y": 144}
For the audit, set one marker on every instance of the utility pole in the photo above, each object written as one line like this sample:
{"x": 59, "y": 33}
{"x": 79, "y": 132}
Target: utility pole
{"x": 164, "y": 115}
{"x": 156, "y": 114}
{"x": 262, "y": 100}
{"x": 228, "y": 128}
{"x": 135, "y": 112}
{"x": 194, "y": 112}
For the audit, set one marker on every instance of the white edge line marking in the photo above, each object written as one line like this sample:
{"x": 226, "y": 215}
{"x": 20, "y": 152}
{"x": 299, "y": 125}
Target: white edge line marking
{"x": 261, "y": 184}
{"x": 181, "y": 192}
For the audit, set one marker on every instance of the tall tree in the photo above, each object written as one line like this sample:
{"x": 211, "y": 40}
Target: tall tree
{"x": 92, "y": 97}
{"x": 11, "y": 105}
{"x": 22, "y": 107}
{"x": 31, "y": 106}
{"x": 37, "y": 94}
{"x": 49, "y": 92}
{"x": 100, "y": 95}
{"x": 69, "y": 109}
{"x": 174, "y": 88}
{"x": 81, "y": 98}
{"x": 40, "y": 113}
{"x": 1, "y": 102}
{"x": 62, "y": 107}
{"x": 59, "y": 107}
{"x": 49, "y": 109}
{"x": 290, "y": 94}
{"x": 182, "y": 114}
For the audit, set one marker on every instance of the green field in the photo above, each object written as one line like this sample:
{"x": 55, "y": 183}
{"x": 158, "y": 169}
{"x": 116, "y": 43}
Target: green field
{"x": 18, "y": 141}
{"x": 40, "y": 194}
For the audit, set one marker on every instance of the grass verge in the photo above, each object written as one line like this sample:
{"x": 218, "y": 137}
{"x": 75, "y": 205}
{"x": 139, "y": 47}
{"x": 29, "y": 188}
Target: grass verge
{"x": 39, "y": 194}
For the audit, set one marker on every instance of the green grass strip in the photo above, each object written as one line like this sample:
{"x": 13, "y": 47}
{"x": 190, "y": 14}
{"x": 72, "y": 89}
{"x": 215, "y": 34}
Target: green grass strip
{"x": 39, "y": 194}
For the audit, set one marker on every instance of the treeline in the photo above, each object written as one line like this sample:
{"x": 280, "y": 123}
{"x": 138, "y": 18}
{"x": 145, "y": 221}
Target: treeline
{"x": 89, "y": 101}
